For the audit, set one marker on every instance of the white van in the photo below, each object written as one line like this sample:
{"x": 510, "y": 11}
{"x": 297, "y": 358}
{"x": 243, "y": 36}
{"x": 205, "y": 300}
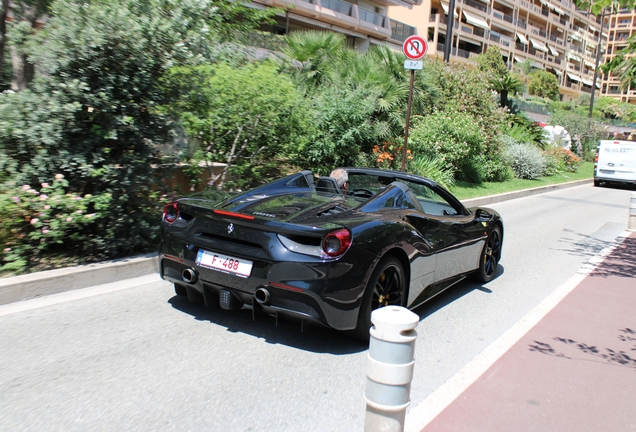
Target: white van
{"x": 615, "y": 162}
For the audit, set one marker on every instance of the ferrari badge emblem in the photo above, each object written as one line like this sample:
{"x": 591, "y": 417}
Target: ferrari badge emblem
{"x": 230, "y": 228}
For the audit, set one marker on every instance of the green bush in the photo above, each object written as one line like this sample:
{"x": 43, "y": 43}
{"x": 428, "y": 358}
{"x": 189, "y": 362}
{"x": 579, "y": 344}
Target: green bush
{"x": 455, "y": 138}
{"x": 526, "y": 161}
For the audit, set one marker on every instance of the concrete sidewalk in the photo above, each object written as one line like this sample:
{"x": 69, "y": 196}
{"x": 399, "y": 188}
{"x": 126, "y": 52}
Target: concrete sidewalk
{"x": 575, "y": 370}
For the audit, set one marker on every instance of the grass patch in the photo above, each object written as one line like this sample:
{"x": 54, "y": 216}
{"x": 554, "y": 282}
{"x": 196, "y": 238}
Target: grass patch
{"x": 464, "y": 190}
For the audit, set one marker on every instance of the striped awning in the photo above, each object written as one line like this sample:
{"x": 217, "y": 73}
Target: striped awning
{"x": 538, "y": 45}
{"x": 476, "y": 21}
{"x": 586, "y": 82}
{"x": 574, "y": 77}
{"x": 522, "y": 39}
{"x": 553, "y": 50}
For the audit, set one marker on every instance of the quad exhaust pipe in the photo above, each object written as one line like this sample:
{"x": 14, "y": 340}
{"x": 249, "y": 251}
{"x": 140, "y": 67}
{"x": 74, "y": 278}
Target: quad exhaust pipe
{"x": 262, "y": 296}
{"x": 189, "y": 276}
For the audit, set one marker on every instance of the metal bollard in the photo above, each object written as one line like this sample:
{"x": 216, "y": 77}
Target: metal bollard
{"x": 631, "y": 223}
{"x": 390, "y": 365}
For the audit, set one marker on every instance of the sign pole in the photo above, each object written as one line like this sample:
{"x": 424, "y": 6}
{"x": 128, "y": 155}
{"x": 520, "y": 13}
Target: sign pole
{"x": 408, "y": 121}
{"x": 414, "y": 49}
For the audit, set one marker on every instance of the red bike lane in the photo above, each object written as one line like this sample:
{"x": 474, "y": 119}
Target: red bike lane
{"x": 573, "y": 371}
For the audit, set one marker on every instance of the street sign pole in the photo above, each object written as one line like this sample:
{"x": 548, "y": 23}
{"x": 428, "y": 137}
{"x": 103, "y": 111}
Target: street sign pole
{"x": 414, "y": 48}
{"x": 408, "y": 120}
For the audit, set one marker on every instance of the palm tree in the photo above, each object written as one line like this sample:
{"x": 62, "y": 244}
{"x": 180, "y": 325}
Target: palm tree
{"x": 504, "y": 86}
{"x": 312, "y": 54}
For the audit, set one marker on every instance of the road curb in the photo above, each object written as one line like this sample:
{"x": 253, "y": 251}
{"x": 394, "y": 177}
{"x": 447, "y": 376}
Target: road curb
{"x": 26, "y": 287}
{"x": 491, "y": 199}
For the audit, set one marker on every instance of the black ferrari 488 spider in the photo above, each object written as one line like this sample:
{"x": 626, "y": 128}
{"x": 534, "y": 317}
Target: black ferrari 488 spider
{"x": 302, "y": 248}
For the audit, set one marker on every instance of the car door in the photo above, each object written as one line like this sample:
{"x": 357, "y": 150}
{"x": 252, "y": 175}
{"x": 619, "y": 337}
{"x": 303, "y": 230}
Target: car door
{"x": 456, "y": 238}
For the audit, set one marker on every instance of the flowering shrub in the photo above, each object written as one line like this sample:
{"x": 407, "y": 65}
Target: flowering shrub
{"x": 567, "y": 160}
{"x": 47, "y": 219}
{"x": 388, "y": 155}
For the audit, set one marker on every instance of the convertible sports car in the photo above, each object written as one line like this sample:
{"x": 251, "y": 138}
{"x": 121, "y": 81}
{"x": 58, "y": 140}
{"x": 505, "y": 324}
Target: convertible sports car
{"x": 304, "y": 249}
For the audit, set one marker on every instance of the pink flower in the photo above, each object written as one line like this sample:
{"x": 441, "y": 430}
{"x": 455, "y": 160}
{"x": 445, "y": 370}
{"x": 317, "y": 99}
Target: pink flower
{"x": 45, "y": 185}
{"x": 34, "y": 221}
{"x": 26, "y": 187}
{"x": 59, "y": 176}
{"x": 16, "y": 199}
{"x": 89, "y": 215}
{"x": 47, "y": 207}
{"x": 68, "y": 219}
{"x": 79, "y": 212}
{"x": 45, "y": 231}
{"x": 44, "y": 197}
{"x": 7, "y": 249}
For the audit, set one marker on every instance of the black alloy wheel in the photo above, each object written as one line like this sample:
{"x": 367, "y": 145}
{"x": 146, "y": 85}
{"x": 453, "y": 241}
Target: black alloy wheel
{"x": 386, "y": 287}
{"x": 490, "y": 256}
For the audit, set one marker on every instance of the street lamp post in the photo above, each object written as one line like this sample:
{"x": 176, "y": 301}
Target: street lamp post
{"x": 450, "y": 22}
{"x": 598, "y": 59}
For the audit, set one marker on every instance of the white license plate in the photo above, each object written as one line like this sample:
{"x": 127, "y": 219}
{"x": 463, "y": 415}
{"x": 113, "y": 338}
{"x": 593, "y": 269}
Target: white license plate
{"x": 224, "y": 263}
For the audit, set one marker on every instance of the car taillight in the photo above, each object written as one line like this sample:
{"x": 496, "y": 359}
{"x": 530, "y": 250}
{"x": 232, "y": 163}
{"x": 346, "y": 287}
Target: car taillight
{"x": 171, "y": 212}
{"x": 336, "y": 243}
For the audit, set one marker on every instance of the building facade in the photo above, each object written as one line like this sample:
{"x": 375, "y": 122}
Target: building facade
{"x": 622, "y": 25}
{"x": 363, "y": 22}
{"x": 552, "y": 34}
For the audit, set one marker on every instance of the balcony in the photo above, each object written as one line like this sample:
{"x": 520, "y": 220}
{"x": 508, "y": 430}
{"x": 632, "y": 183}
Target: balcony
{"x": 370, "y": 17}
{"x": 400, "y": 31}
{"x": 474, "y": 4}
{"x": 339, "y": 13}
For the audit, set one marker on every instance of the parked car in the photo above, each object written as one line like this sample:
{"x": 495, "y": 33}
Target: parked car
{"x": 306, "y": 250}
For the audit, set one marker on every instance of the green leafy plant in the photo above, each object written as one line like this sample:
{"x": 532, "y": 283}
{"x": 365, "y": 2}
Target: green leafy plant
{"x": 454, "y": 138}
{"x": 433, "y": 168}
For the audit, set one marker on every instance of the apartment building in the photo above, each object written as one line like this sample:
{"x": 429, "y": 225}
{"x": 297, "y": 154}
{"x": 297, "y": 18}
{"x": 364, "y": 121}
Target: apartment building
{"x": 552, "y": 34}
{"x": 363, "y": 22}
{"x": 622, "y": 25}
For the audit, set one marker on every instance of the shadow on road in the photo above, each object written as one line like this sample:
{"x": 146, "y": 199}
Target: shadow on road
{"x": 451, "y": 294}
{"x": 312, "y": 338}
{"x": 309, "y": 337}
{"x": 621, "y": 262}
{"x": 619, "y": 357}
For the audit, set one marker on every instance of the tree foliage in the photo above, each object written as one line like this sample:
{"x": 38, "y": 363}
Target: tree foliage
{"x": 544, "y": 84}
{"x": 249, "y": 117}
{"x": 92, "y": 113}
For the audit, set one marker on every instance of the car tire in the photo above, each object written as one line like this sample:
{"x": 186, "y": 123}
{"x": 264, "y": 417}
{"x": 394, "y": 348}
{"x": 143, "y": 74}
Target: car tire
{"x": 490, "y": 256}
{"x": 597, "y": 183}
{"x": 180, "y": 290}
{"x": 387, "y": 286}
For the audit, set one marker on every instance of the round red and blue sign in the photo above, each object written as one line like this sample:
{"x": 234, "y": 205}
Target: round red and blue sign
{"x": 414, "y": 47}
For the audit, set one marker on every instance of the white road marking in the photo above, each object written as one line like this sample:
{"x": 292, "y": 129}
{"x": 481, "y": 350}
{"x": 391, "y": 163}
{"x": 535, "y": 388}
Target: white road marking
{"x": 422, "y": 414}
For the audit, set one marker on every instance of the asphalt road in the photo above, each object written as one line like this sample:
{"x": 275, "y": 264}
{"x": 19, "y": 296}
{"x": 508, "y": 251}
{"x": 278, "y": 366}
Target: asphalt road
{"x": 133, "y": 356}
